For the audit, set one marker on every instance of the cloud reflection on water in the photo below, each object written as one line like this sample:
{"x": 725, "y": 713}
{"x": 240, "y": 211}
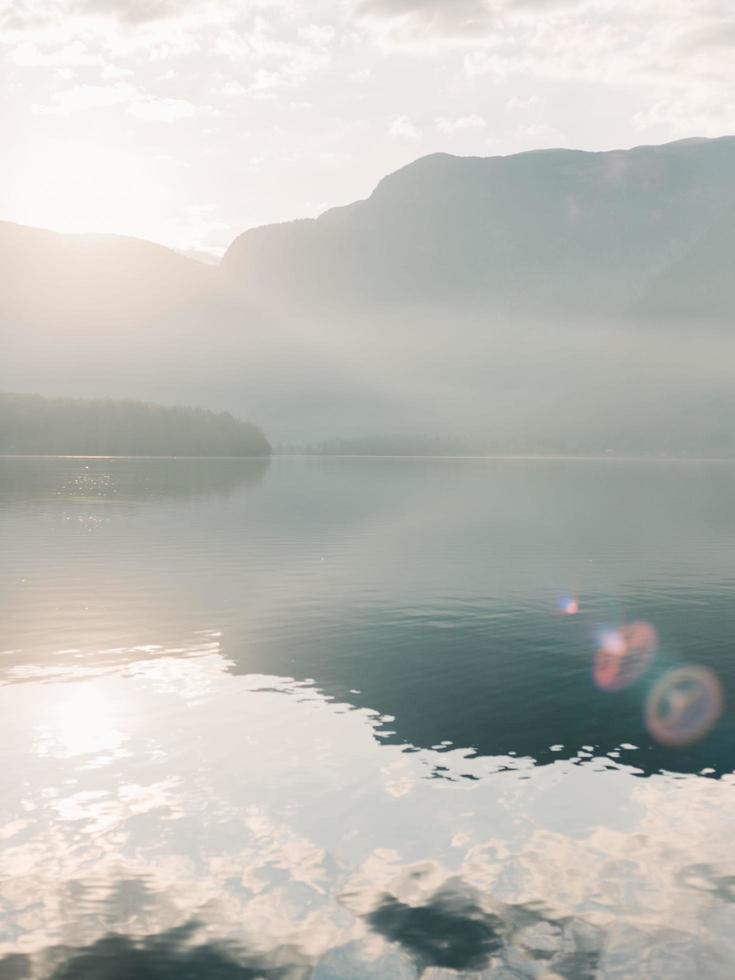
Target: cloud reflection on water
{"x": 254, "y": 827}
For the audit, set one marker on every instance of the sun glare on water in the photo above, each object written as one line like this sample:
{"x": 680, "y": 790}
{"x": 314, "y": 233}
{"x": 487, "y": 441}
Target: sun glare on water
{"x": 83, "y": 724}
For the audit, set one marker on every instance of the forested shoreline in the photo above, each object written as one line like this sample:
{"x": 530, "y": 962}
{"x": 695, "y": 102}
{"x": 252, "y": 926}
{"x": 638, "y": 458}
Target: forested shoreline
{"x": 36, "y": 425}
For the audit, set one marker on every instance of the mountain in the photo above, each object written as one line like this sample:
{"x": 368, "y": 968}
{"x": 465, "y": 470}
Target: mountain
{"x": 102, "y": 315}
{"x": 700, "y": 282}
{"x": 549, "y": 301}
{"x": 110, "y": 277}
{"x": 550, "y": 231}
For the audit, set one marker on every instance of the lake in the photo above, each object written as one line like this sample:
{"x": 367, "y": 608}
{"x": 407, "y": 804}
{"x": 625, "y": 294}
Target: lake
{"x": 366, "y": 718}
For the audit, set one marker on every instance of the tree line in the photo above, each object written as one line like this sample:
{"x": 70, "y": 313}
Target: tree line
{"x": 35, "y": 425}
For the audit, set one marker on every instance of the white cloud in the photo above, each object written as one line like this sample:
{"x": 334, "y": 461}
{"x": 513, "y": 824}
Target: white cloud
{"x": 200, "y": 209}
{"x": 111, "y": 72}
{"x": 450, "y": 126}
{"x": 403, "y": 127}
{"x": 161, "y": 110}
{"x": 137, "y": 11}
{"x": 318, "y": 35}
{"x": 449, "y": 18}
{"x": 73, "y": 55}
{"x": 539, "y": 135}
{"x": 362, "y": 75}
{"x": 265, "y": 82}
{"x": 233, "y": 89}
{"x": 85, "y": 98}
{"x": 689, "y": 113}
{"x": 81, "y": 98}
{"x": 517, "y": 104}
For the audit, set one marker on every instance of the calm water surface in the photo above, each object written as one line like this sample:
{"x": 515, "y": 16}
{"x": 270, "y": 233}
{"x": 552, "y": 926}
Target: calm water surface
{"x": 324, "y": 718}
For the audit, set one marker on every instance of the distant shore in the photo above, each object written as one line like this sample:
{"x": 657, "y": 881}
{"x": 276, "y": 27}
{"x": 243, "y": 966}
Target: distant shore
{"x": 498, "y": 458}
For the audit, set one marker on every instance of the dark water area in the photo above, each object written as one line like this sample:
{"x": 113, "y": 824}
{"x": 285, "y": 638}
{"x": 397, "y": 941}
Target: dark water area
{"x": 344, "y": 718}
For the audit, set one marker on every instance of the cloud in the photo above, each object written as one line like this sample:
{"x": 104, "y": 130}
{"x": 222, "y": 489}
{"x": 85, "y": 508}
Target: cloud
{"x": 111, "y": 72}
{"x": 539, "y": 135}
{"x": 362, "y": 76}
{"x": 403, "y": 127}
{"x": 516, "y": 104}
{"x": 597, "y": 41}
{"x": 136, "y": 11}
{"x": 690, "y": 113}
{"x": 32, "y": 14}
{"x": 466, "y": 21}
{"x": 81, "y": 98}
{"x": 161, "y": 110}
{"x": 450, "y": 126}
{"x": 318, "y": 35}
{"x": 718, "y": 34}
{"x": 84, "y": 98}
{"x": 266, "y": 82}
{"x": 622, "y": 45}
{"x": 277, "y": 55}
{"x": 462, "y": 18}
{"x": 28, "y": 54}
{"x": 233, "y": 90}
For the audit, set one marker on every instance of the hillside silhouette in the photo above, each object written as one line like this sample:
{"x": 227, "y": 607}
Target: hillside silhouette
{"x": 552, "y": 231}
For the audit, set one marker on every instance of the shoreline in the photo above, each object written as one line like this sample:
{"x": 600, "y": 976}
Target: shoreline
{"x": 509, "y": 458}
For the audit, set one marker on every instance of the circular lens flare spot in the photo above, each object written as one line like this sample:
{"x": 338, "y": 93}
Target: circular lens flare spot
{"x": 569, "y": 606}
{"x": 624, "y": 655}
{"x": 684, "y": 706}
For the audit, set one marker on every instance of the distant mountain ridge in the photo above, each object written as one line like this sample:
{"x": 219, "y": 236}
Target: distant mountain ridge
{"x": 559, "y": 231}
{"x": 544, "y": 231}
{"x": 551, "y": 301}
{"x": 89, "y": 274}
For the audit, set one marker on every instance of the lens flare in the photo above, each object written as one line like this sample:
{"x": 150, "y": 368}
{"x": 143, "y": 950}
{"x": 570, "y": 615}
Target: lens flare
{"x": 569, "y": 606}
{"x": 684, "y": 706}
{"x": 624, "y": 655}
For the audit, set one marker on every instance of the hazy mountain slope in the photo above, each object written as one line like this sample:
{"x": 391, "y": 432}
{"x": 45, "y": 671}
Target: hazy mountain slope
{"x": 48, "y": 274}
{"x": 549, "y": 231}
{"x": 105, "y": 315}
{"x": 701, "y": 281}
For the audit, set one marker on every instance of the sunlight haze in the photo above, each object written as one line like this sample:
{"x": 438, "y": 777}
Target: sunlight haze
{"x": 187, "y": 121}
{"x": 367, "y": 468}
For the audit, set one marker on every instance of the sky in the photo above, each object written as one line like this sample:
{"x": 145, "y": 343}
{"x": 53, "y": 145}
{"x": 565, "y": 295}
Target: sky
{"x": 188, "y": 121}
